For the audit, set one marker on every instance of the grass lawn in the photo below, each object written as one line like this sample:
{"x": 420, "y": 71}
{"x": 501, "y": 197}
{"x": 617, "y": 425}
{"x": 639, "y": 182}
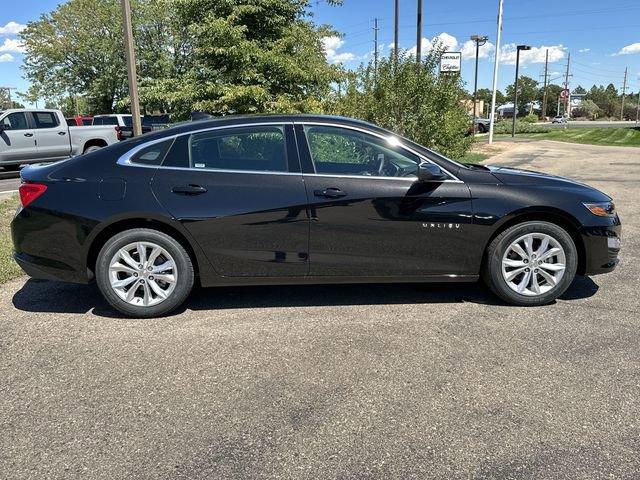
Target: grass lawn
{"x": 473, "y": 157}
{"x": 8, "y": 268}
{"x": 617, "y": 137}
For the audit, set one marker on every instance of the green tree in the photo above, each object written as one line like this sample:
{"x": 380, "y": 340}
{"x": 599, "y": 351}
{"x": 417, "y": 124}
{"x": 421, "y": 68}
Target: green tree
{"x": 528, "y": 91}
{"x": 553, "y": 94}
{"x": 580, "y": 90}
{"x": 415, "y": 102}
{"x": 484, "y": 94}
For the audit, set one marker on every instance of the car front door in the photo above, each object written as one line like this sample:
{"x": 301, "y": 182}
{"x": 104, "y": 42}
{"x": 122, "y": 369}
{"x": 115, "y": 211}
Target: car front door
{"x": 369, "y": 214}
{"x": 240, "y": 193}
{"x": 17, "y": 139}
{"x": 52, "y": 137}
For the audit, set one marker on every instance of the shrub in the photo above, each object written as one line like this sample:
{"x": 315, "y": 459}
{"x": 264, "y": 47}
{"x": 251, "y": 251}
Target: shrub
{"x": 410, "y": 99}
{"x": 530, "y": 118}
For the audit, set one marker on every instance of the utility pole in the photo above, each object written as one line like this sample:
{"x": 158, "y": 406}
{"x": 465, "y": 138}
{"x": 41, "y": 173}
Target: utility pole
{"x": 8, "y": 89}
{"x": 496, "y": 64}
{"x": 515, "y": 88}
{"x": 546, "y": 85}
{"x": 624, "y": 91}
{"x": 480, "y": 40}
{"x": 130, "y": 55}
{"x": 419, "y": 34}
{"x": 567, "y": 107}
{"x": 375, "y": 51}
{"x": 396, "y": 31}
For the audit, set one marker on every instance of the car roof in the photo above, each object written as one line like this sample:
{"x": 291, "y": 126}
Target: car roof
{"x": 276, "y": 118}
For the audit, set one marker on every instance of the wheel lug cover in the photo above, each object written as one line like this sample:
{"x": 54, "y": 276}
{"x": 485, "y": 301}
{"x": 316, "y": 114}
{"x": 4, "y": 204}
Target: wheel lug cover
{"x": 150, "y": 278}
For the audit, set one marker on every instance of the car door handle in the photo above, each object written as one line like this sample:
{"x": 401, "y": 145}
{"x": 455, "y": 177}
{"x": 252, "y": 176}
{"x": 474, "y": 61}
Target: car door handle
{"x": 189, "y": 190}
{"x": 62, "y": 133}
{"x": 330, "y": 193}
{"x": 28, "y": 134}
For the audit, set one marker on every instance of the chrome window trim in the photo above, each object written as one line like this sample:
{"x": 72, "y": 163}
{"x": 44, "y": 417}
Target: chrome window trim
{"x": 125, "y": 160}
{"x": 397, "y": 141}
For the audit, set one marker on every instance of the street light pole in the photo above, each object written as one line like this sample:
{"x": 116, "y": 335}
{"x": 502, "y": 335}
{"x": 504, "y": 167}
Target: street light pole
{"x": 480, "y": 41}
{"x": 496, "y": 65}
{"x": 130, "y": 55}
{"x": 515, "y": 93}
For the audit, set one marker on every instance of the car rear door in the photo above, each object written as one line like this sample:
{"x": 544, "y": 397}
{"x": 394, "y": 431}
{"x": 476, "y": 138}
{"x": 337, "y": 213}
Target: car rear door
{"x": 52, "y": 136}
{"x": 370, "y": 217}
{"x": 240, "y": 193}
{"x": 17, "y": 140}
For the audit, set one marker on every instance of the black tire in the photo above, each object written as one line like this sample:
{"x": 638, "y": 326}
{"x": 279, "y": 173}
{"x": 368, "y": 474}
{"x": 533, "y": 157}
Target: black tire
{"x": 183, "y": 265}
{"x": 92, "y": 148}
{"x": 492, "y": 274}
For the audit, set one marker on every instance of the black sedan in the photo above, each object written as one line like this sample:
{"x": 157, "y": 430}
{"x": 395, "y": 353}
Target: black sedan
{"x": 302, "y": 200}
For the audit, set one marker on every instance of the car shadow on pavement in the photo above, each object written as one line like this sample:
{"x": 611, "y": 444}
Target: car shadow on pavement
{"x": 58, "y": 297}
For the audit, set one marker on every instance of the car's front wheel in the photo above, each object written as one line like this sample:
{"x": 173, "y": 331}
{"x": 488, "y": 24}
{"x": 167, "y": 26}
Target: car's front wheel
{"x": 532, "y": 263}
{"x": 144, "y": 273}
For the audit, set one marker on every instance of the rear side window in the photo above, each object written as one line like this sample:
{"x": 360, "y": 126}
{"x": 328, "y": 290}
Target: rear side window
{"x": 105, "y": 121}
{"x": 152, "y": 155}
{"x": 46, "y": 119}
{"x": 15, "y": 121}
{"x": 259, "y": 148}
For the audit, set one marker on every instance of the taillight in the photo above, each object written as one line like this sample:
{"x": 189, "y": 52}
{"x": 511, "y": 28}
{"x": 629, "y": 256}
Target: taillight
{"x": 30, "y": 192}
{"x": 119, "y": 133}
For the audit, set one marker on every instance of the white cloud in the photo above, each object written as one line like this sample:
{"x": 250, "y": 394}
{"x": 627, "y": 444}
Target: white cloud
{"x": 584, "y": 50}
{"x": 6, "y": 57}
{"x": 12, "y": 28}
{"x": 629, "y": 49}
{"x": 535, "y": 55}
{"x": 331, "y": 46}
{"x": 469, "y": 50}
{"x": 11, "y": 45}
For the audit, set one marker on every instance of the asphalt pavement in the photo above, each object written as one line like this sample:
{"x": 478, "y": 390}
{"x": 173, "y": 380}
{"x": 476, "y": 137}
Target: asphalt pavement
{"x": 314, "y": 382}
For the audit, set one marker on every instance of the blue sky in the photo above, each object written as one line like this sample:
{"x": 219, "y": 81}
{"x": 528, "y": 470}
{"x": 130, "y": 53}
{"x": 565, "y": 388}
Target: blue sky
{"x": 603, "y": 37}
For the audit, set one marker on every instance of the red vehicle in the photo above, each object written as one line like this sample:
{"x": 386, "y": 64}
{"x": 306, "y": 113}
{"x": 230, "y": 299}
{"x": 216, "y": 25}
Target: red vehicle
{"x": 79, "y": 121}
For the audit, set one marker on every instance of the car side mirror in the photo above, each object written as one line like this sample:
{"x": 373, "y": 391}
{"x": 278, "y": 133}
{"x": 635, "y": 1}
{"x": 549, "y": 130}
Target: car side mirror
{"x": 429, "y": 172}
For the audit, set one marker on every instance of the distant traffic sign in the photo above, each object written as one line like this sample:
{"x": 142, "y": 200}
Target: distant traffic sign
{"x": 564, "y": 94}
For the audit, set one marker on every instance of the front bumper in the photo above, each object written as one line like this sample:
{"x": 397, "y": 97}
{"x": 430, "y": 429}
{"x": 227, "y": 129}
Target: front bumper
{"x": 602, "y": 248}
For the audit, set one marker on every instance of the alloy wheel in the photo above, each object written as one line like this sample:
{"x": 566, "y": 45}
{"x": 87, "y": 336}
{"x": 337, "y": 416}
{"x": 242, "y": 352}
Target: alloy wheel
{"x": 534, "y": 264}
{"x": 143, "y": 274}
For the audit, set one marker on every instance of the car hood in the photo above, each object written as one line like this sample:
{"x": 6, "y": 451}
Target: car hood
{"x": 517, "y": 176}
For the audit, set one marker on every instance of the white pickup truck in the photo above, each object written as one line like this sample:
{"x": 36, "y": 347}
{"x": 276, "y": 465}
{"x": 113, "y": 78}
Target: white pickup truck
{"x": 41, "y": 135}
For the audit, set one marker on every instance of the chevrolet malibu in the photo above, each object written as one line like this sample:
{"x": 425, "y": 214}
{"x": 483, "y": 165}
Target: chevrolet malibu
{"x": 302, "y": 200}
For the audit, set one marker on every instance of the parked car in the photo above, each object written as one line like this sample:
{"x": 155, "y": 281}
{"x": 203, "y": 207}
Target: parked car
{"x": 559, "y": 119}
{"x": 124, "y": 123}
{"x": 80, "y": 121}
{"x": 40, "y": 135}
{"x": 481, "y": 125}
{"x": 302, "y": 200}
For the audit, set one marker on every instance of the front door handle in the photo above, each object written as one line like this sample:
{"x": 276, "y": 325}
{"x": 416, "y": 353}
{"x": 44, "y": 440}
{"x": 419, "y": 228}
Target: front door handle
{"x": 62, "y": 133}
{"x": 189, "y": 190}
{"x": 28, "y": 134}
{"x": 330, "y": 193}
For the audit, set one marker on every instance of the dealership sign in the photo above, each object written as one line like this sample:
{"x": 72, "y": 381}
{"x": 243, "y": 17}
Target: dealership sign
{"x": 450, "y": 62}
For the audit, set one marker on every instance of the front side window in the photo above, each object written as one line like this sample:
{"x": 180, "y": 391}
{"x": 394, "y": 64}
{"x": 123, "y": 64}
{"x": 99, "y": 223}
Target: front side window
{"x": 15, "y": 121}
{"x": 45, "y": 119}
{"x": 259, "y": 148}
{"x": 342, "y": 151}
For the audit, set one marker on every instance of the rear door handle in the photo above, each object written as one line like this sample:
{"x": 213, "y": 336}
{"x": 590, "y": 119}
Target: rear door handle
{"x": 28, "y": 134}
{"x": 330, "y": 193}
{"x": 189, "y": 190}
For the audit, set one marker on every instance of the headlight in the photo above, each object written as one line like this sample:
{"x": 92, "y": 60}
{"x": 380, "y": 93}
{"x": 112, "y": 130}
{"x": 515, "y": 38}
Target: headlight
{"x": 601, "y": 209}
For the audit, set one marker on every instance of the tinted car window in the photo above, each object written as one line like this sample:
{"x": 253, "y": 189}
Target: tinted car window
{"x": 259, "y": 148}
{"x": 15, "y": 121}
{"x": 105, "y": 121}
{"x": 87, "y": 121}
{"x": 45, "y": 119}
{"x": 341, "y": 151}
{"x": 153, "y": 154}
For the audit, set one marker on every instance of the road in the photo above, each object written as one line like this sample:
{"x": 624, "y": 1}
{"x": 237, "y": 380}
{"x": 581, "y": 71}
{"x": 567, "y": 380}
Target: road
{"x": 9, "y": 183}
{"x": 375, "y": 381}
{"x": 595, "y": 124}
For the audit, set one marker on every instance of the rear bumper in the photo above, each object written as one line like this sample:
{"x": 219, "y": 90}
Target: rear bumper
{"x": 46, "y": 269}
{"x": 602, "y": 248}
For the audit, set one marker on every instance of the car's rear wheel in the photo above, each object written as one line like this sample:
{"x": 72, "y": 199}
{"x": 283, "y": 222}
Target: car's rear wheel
{"x": 532, "y": 263}
{"x": 144, "y": 273}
